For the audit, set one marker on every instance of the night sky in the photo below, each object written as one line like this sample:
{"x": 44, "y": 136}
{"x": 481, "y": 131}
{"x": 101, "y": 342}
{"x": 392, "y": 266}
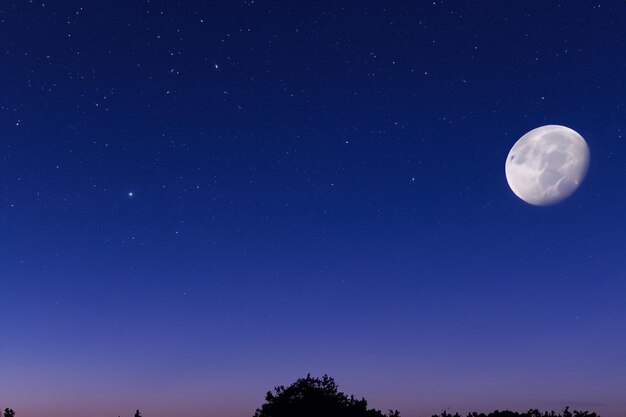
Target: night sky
{"x": 202, "y": 200}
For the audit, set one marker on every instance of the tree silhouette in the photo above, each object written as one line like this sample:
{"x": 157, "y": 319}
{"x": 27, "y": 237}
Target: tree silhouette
{"x": 137, "y": 413}
{"x": 8, "y": 412}
{"x": 314, "y": 397}
{"x": 530, "y": 413}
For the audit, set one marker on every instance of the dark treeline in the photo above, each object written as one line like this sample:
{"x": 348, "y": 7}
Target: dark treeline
{"x": 314, "y": 397}
{"x": 530, "y": 413}
{"x": 8, "y": 412}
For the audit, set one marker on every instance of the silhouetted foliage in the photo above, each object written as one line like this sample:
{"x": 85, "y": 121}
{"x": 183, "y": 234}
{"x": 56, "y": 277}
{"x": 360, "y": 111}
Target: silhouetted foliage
{"x": 137, "y": 413}
{"x": 8, "y": 412}
{"x": 315, "y": 397}
{"x": 530, "y": 413}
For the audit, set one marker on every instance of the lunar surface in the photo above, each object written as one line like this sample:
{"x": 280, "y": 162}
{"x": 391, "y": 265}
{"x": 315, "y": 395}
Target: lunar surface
{"x": 547, "y": 164}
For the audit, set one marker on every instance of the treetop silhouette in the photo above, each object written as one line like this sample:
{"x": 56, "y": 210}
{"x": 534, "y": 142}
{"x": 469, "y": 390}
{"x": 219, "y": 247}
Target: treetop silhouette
{"x": 530, "y": 413}
{"x": 314, "y": 397}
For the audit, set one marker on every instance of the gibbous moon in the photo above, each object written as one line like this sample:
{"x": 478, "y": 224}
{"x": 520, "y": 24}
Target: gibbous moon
{"x": 547, "y": 164}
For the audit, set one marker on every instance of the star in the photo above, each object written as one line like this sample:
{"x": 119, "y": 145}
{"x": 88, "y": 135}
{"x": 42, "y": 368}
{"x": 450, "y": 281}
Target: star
{"x": 131, "y": 194}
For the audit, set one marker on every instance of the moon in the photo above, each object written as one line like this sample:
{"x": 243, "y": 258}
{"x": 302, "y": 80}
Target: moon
{"x": 547, "y": 164}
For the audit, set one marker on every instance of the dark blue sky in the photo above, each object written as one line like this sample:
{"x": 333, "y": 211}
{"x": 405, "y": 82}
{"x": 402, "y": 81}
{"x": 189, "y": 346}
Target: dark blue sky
{"x": 202, "y": 200}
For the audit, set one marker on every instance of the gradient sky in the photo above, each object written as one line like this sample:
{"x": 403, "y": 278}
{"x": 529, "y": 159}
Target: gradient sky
{"x": 202, "y": 200}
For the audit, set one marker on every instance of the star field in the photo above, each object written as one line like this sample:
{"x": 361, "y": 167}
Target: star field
{"x": 202, "y": 200}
